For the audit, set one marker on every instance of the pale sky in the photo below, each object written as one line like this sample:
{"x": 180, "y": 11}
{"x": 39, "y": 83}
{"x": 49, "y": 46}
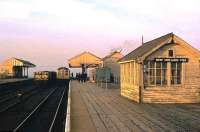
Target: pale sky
{"x": 48, "y": 32}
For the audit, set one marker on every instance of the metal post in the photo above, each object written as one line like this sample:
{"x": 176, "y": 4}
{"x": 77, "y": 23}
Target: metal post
{"x": 23, "y": 72}
{"x": 106, "y": 84}
{"x": 27, "y": 72}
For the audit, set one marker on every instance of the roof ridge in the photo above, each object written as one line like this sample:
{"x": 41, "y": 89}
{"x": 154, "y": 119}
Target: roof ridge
{"x": 160, "y": 37}
{"x": 142, "y": 49}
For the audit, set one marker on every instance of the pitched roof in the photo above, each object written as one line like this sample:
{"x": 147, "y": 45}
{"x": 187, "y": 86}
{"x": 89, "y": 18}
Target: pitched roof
{"x": 144, "y": 48}
{"x": 147, "y": 48}
{"x": 110, "y": 55}
{"x": 12, "y": 62}
{"x": 60, "y": 68}
{"x": 27, "y": 63}
{"x": 84, "y": 58}
{"x": 83, "y": 53}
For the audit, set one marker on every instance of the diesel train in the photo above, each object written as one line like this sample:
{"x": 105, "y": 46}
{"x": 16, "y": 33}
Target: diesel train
{"x": 61, "y": 74}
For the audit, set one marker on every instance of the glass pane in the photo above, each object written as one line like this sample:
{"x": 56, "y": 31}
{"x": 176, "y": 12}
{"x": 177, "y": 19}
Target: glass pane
{"x": 158, "y": 80}
{"x": 179, "y": 70}
{"x": 158, "y": 65}
{"x": 152, "y": 64}
{"x": 152, "y": 80}
{"x": 173, "y": 72}
{"x": 164, "y": 76}
{"x": 179, "y": 65}
{"x": 173, "y": 65}
{"x": 171, "y": 53}
{"x": 158, "y": 72}
{"x": 152, "y": 72}
{"x": 178, "y": 80}
{"x": 172, "y": 80}
{"x": 164, "y": 65}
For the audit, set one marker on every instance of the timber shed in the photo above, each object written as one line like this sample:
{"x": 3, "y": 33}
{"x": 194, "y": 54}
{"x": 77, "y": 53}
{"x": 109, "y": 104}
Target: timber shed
{"x": 163, "y": 70}
{"x": 15, "y": 68}
{"x": 111, "y": 62}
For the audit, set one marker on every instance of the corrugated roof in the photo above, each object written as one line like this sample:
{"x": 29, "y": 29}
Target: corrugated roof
{"x": 146, "y": 47}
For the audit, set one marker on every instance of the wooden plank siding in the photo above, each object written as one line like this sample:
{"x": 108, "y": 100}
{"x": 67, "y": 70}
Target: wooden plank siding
{"x": 188, "y": 91}
{"x": 129, "y": 80}
{"x": 135, "y": 81}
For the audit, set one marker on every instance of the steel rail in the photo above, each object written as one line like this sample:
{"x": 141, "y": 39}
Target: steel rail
{"x": 13, "y": 95}
{"x": 37, "y": 107}
{"x": 53, "y": 122}
{"x": 18, "y": 102}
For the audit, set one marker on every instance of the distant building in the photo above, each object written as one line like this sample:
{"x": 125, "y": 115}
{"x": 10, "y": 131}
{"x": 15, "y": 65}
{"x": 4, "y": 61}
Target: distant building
{"x": 164, "y": 70}
{"x": 109, "y": 70}
{"x": 111, "y": 62}
{"x": 87, "y": 62}
{"x": 15, "y": 68}
{"x": 84, "y": 60}
{"x": 63, "y": 73}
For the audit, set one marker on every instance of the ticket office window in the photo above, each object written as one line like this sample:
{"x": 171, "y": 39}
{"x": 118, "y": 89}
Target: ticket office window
{"x": 155, "y": 73}
{"x": 176, "y": 70}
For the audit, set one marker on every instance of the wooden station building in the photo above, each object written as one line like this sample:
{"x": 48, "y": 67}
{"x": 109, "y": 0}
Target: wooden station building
{"x": 15, "y": 68}
{"x": 85, "y": 61}
{"x": 110, "y": 63}
{"x": 163, "y": 70}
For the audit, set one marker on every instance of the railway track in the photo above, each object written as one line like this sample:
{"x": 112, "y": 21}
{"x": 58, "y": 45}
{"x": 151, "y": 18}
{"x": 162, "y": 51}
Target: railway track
{"x": 42, "y": 111}
{"x": 16, "y": 98}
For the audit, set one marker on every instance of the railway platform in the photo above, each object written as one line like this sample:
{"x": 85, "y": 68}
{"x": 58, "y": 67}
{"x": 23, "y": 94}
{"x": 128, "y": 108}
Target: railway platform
{"x": 97, "y": 109}
{"x": 3, "y": 81}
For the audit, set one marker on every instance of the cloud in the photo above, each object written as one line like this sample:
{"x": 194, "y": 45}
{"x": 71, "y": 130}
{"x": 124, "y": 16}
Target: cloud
{"x": 127, "y": 18}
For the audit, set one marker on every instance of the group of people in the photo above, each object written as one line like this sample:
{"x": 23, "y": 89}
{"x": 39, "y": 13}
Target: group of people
{"x": 81, "y": 77}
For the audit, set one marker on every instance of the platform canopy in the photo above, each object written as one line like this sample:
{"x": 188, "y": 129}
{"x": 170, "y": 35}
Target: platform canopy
{"x": 85, "y": 59}
{"x": 15, "y": 68}
{"x": 17, "y": 62}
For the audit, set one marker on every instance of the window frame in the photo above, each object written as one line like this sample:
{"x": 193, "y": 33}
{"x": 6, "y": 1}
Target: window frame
{"x": 180, "y": 69}
{"x": 162, "y": 69}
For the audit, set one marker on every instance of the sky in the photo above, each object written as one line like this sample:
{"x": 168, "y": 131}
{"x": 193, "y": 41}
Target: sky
{"x": 49, "y": 32}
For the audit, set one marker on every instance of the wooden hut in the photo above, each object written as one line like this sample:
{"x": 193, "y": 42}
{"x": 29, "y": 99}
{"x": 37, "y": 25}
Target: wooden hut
{"x": 15, "y": 68}
{"x": 111, "y": 62}
{"x": 163, "y": 70}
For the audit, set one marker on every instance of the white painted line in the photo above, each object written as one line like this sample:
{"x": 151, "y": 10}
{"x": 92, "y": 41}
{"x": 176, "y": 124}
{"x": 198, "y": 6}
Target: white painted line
{"x": 68, "y": 116}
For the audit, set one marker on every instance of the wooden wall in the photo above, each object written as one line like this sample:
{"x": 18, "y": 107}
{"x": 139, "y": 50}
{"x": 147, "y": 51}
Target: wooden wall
{"x": 6, "y": 67}
{"x": 129, "y": 73}
{"x": 188, "y": 91}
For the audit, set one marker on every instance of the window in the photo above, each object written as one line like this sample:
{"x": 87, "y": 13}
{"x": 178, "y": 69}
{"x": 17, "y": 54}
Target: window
{"x": 176, "y": 69}
{"x": 171, "y": 53}
{"x": 151, "y": 73}
{"x": 157, "y": 73}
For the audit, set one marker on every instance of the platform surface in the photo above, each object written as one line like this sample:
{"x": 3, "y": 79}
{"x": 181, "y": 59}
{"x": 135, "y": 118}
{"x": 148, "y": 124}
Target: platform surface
{"x": 3, "y": 81}
{"x": 96, "y": 109}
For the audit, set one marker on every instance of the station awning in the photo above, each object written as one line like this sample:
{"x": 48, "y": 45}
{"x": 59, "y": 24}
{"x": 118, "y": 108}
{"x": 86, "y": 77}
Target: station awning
{"x": 85, "y": 58}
